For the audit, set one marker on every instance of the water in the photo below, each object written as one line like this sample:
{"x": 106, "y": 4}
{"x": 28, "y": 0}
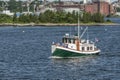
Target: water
{"x": 115, "y": 20}
{"x": 25, "y": 52}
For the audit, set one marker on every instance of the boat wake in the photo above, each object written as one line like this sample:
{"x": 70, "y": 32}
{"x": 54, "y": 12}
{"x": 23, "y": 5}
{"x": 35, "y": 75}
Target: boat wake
{"x": 56, "y": 57}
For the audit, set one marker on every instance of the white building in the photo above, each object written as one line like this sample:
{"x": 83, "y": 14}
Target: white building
{"x": 84, "y": 1}
{"x": 71, "y": 9}
{"x": 107, "y": 1}
{"x": 117, "y": 13}
{"x": 7, "y": 12}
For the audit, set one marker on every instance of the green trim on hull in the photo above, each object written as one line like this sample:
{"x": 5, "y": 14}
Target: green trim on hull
{"x": 65, "y": 53}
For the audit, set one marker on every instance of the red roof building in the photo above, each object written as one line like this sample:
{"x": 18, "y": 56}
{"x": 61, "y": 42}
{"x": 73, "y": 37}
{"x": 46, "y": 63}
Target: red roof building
{"x": 91, "y": 8}
{"x": 103, "y": 7}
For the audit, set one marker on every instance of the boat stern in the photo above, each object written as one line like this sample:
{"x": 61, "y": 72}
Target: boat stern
{"x": 53, "y": 47}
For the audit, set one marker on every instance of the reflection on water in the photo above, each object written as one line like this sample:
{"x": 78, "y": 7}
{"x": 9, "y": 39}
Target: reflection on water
{"x": 78, "y": 60}
{"x": 74, "y": 64}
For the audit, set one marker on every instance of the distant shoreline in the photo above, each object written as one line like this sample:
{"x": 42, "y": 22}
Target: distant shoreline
{"x": 59, "y": 24}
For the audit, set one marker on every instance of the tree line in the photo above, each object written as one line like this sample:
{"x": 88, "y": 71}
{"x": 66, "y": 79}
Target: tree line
{"x": 53, "y": 17}
{"x": 19, "y": 5}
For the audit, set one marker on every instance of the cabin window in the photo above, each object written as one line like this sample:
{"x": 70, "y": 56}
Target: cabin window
{"x": 91, "y": 48}
{"x": 64, "y": 40}
{"x": 73, "y": 40}
{"x": 83, "y": 48}
{"x": 69, "y": 40}
{"x": 88, "y": 48}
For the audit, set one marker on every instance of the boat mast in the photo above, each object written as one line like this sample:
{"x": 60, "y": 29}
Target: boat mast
{"x": 78, "y": 25}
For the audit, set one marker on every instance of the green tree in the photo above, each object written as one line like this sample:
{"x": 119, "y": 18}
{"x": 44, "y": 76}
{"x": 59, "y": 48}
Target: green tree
{"x": 97, "y": 17}
{"x": 12, "y": 5}
{"x": 15, "y": 19}
{"x": 5, "y": 18}
{"x": 69, "y": 17}
{"x": 86, "y": 17}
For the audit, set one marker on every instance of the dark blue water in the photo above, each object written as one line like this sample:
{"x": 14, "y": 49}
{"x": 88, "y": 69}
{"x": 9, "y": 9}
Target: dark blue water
{"x": 25, "y": 52}
{"x": 115, "y": 20}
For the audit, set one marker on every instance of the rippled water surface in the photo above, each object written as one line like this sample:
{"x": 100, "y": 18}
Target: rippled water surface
{"x": 25, "y": 52}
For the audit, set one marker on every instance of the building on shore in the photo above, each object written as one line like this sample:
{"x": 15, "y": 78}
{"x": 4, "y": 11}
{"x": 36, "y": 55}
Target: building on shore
{"x": 7, "y": 12}
{"x": 96, "y": 6}
{"x": 116, "y": 4}
{"x": 67, "y": 6}
{"x": 102, "y": 7}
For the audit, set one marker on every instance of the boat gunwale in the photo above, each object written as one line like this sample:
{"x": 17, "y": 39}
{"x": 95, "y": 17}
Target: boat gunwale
{"x": 79, "y": 52}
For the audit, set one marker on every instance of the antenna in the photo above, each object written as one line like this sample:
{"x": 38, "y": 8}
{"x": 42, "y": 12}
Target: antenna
{"x": 87, "y": 34}
{"x": 78, "y": 25}
{"x": 83, "y": 32}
